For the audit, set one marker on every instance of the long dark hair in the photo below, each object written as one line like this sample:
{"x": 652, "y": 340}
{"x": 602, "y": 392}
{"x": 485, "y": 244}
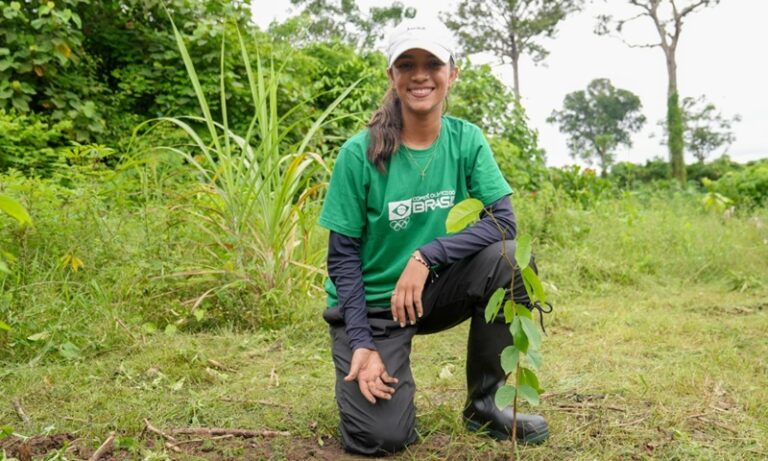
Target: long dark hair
{"x": 385, "y": 128}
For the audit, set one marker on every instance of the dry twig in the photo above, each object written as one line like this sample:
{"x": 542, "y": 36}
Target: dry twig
{"x": 168, "y": 438}
{"x": 19, "y": 410}
{"x": 213, "y": 431}
{"x": 148, "y": 426}
{"x": 225, "y": 436}
{"x": 104, "y": 448}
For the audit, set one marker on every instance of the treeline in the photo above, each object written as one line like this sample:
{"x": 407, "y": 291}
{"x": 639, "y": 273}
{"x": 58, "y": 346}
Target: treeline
{"x": 77, "y": 73}
{"x": 89, "y": 72}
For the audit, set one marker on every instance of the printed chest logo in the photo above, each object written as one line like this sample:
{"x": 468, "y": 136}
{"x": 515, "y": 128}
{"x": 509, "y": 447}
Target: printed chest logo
{"x": 400, "y": 211}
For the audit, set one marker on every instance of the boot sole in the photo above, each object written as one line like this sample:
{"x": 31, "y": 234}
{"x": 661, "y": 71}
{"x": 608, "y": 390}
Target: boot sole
{"x": 533, "y": 438}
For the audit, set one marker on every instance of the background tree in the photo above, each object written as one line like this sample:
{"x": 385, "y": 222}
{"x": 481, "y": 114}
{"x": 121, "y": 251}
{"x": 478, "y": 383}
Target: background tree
{"x": 667, "y": 17}
{"x": 598, "y": 120}
{"x": 706, "y": 129}
{"x": 509, "y": 28}
{"x": 328, "y": 20}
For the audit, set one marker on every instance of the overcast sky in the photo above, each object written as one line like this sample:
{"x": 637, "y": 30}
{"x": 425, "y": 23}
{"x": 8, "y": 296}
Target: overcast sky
{"x": 722, "y": 54}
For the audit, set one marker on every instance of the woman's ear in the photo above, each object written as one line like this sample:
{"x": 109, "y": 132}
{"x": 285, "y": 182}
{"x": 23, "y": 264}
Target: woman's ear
{"x": 389, "y": 75}
{"x": 454, "y": 75}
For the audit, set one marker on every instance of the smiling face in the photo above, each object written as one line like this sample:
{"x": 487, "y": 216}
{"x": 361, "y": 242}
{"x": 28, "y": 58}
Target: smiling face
{"x": 421, "y": 81}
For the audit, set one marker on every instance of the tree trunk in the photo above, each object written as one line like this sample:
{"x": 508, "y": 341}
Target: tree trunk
{"x": 674, "y": 119}
{"x": 516, "y": 76}
{"x": 515, "y": 57}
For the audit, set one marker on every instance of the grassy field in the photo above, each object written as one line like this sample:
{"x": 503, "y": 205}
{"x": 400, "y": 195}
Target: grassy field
{"x": 667, "y": 374}
{"x": 656, "y": 348}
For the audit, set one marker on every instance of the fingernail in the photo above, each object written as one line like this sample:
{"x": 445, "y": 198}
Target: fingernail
{"x": 413, "y": 322}
{"x": 394, "y": 318}
{"x": 402, "y": 324}
{"x": 420, "y": 314}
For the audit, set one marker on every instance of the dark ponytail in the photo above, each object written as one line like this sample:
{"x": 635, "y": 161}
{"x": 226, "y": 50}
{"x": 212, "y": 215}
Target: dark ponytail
{"x": 384, "y": 130}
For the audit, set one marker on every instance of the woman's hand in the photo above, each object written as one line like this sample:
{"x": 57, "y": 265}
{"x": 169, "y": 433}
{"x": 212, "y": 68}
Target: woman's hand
{"x": 372, "y": 377}
{"x": 406, "y": 299}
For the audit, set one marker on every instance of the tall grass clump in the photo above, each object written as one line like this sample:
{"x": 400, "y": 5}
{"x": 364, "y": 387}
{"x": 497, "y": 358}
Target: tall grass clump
{"x": 253, "y": 198}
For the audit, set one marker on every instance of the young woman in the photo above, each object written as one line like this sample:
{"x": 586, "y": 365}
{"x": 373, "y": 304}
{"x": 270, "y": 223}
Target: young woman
{"x": 393, "y": 271}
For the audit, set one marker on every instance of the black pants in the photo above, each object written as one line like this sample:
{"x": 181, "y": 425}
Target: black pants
{"x": 460, "y": 291}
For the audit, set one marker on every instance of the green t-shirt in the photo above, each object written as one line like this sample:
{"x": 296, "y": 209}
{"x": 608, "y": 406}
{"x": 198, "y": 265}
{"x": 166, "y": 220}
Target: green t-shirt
{"x": 395, "y": 213}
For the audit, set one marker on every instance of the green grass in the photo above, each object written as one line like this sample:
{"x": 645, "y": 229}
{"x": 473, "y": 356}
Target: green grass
{"x": 665, "y": 374}
{"x": 655, "y": 349}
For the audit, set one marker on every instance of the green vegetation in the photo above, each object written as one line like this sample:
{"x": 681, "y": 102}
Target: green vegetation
{"x": 599, "y": 120}
{"x": 173, "y": 266}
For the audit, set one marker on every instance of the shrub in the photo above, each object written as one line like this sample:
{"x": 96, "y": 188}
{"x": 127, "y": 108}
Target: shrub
{"x": 747, "y": 187}
{"x": 29, "y": 143}
{"x": 582, "y": 185}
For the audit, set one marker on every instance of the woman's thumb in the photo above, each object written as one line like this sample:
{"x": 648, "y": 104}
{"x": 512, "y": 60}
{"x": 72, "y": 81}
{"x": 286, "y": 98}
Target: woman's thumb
{"x": 354, "y": 369}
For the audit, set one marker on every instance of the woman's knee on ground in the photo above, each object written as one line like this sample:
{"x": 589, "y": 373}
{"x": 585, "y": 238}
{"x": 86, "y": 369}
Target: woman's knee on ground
{"x": 376, "y": 436}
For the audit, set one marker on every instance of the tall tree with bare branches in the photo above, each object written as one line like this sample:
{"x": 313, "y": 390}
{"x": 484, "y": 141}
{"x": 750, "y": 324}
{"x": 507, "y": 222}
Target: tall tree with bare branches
{"x": 509, "y": 28}
{"x": 667, "y": 17}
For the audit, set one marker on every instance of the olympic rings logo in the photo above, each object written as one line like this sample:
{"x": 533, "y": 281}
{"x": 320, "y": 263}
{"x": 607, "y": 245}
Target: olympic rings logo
{"x": 399, "y": 225}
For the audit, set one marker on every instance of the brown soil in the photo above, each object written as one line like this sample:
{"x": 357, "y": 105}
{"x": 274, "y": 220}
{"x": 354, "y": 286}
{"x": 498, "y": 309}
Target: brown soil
{"x": 292, "y": 449}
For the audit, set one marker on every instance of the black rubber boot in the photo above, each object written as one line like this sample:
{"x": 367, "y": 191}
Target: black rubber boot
{"x": 484, "y": 376}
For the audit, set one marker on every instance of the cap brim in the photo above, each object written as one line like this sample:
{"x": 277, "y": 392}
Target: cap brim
{"x": 439, "y": 51}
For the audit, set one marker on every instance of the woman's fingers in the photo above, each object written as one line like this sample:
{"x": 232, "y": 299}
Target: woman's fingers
{"x": 409, "y": 307}
{"x": 365, "y": 390}
{"x": 398, "y": 310}
{"x": 388, "y": 379}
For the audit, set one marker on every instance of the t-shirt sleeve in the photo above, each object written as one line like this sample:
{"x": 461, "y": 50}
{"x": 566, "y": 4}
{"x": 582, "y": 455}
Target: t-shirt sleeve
{"x": 344, "y": 207}
{"x": 485, "y": 181}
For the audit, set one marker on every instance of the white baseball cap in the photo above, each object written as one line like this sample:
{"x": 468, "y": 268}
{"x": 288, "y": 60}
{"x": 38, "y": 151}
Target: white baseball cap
{"x": 425, "y": 34}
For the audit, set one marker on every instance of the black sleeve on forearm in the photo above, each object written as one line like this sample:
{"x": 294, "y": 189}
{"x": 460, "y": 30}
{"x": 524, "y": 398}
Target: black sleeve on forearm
{"x": 346, "y": 273}
{"x": 496, "y": 222}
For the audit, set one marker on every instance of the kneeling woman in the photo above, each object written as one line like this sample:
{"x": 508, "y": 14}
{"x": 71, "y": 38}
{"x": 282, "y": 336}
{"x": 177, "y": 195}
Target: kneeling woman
{"x": 393, "y": 271}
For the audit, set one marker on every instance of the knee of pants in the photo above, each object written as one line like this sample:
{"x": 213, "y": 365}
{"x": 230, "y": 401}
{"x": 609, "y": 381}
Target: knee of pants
{"x": 378, "y": 438}
{"x": 390, "y": 439}
{"x": 386, "y": 427}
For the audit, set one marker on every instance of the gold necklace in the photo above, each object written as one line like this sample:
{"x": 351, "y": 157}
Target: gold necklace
{"x": 422, "y": 169}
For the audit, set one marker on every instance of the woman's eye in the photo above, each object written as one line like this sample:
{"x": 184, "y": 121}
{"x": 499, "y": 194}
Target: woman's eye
{"x": 405, "y": 66}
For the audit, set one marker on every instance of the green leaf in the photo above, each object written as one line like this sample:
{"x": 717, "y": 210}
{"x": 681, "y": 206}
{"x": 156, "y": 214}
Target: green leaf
{"x": 528, "y": 376}
{"x": 14, "y": 209}
{"x": 509, "y": 311}
{"x": 518, "y": 335}
{"x": 199, "y": 314}
{"x": 534, "y": 358}
{"x": 531, "y": 332}
{"x": 70, "y": 351}
{"x": 523, "y": 311}
{"x": 510, "y": 357}
{"x": 170, "y": 329}
{"x": 5, "y": 431}
{"x": 505, "y": 395}
{"x": 4, "y": 267}
{"x": 532, "y": 280}
{"x": 39, "y": 336}
{"x": 4, "y": 326}
{"x": 529, "y": 394}
{"x": 523, "y": 251}
{"x": 149, "y": 327}
{"x": 494, "y": 304}
{"x": 463, "y": 214}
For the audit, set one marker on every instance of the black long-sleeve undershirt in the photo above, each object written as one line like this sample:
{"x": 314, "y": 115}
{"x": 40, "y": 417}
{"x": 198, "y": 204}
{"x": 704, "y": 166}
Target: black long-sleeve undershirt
{"x": 497, "y": 222}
